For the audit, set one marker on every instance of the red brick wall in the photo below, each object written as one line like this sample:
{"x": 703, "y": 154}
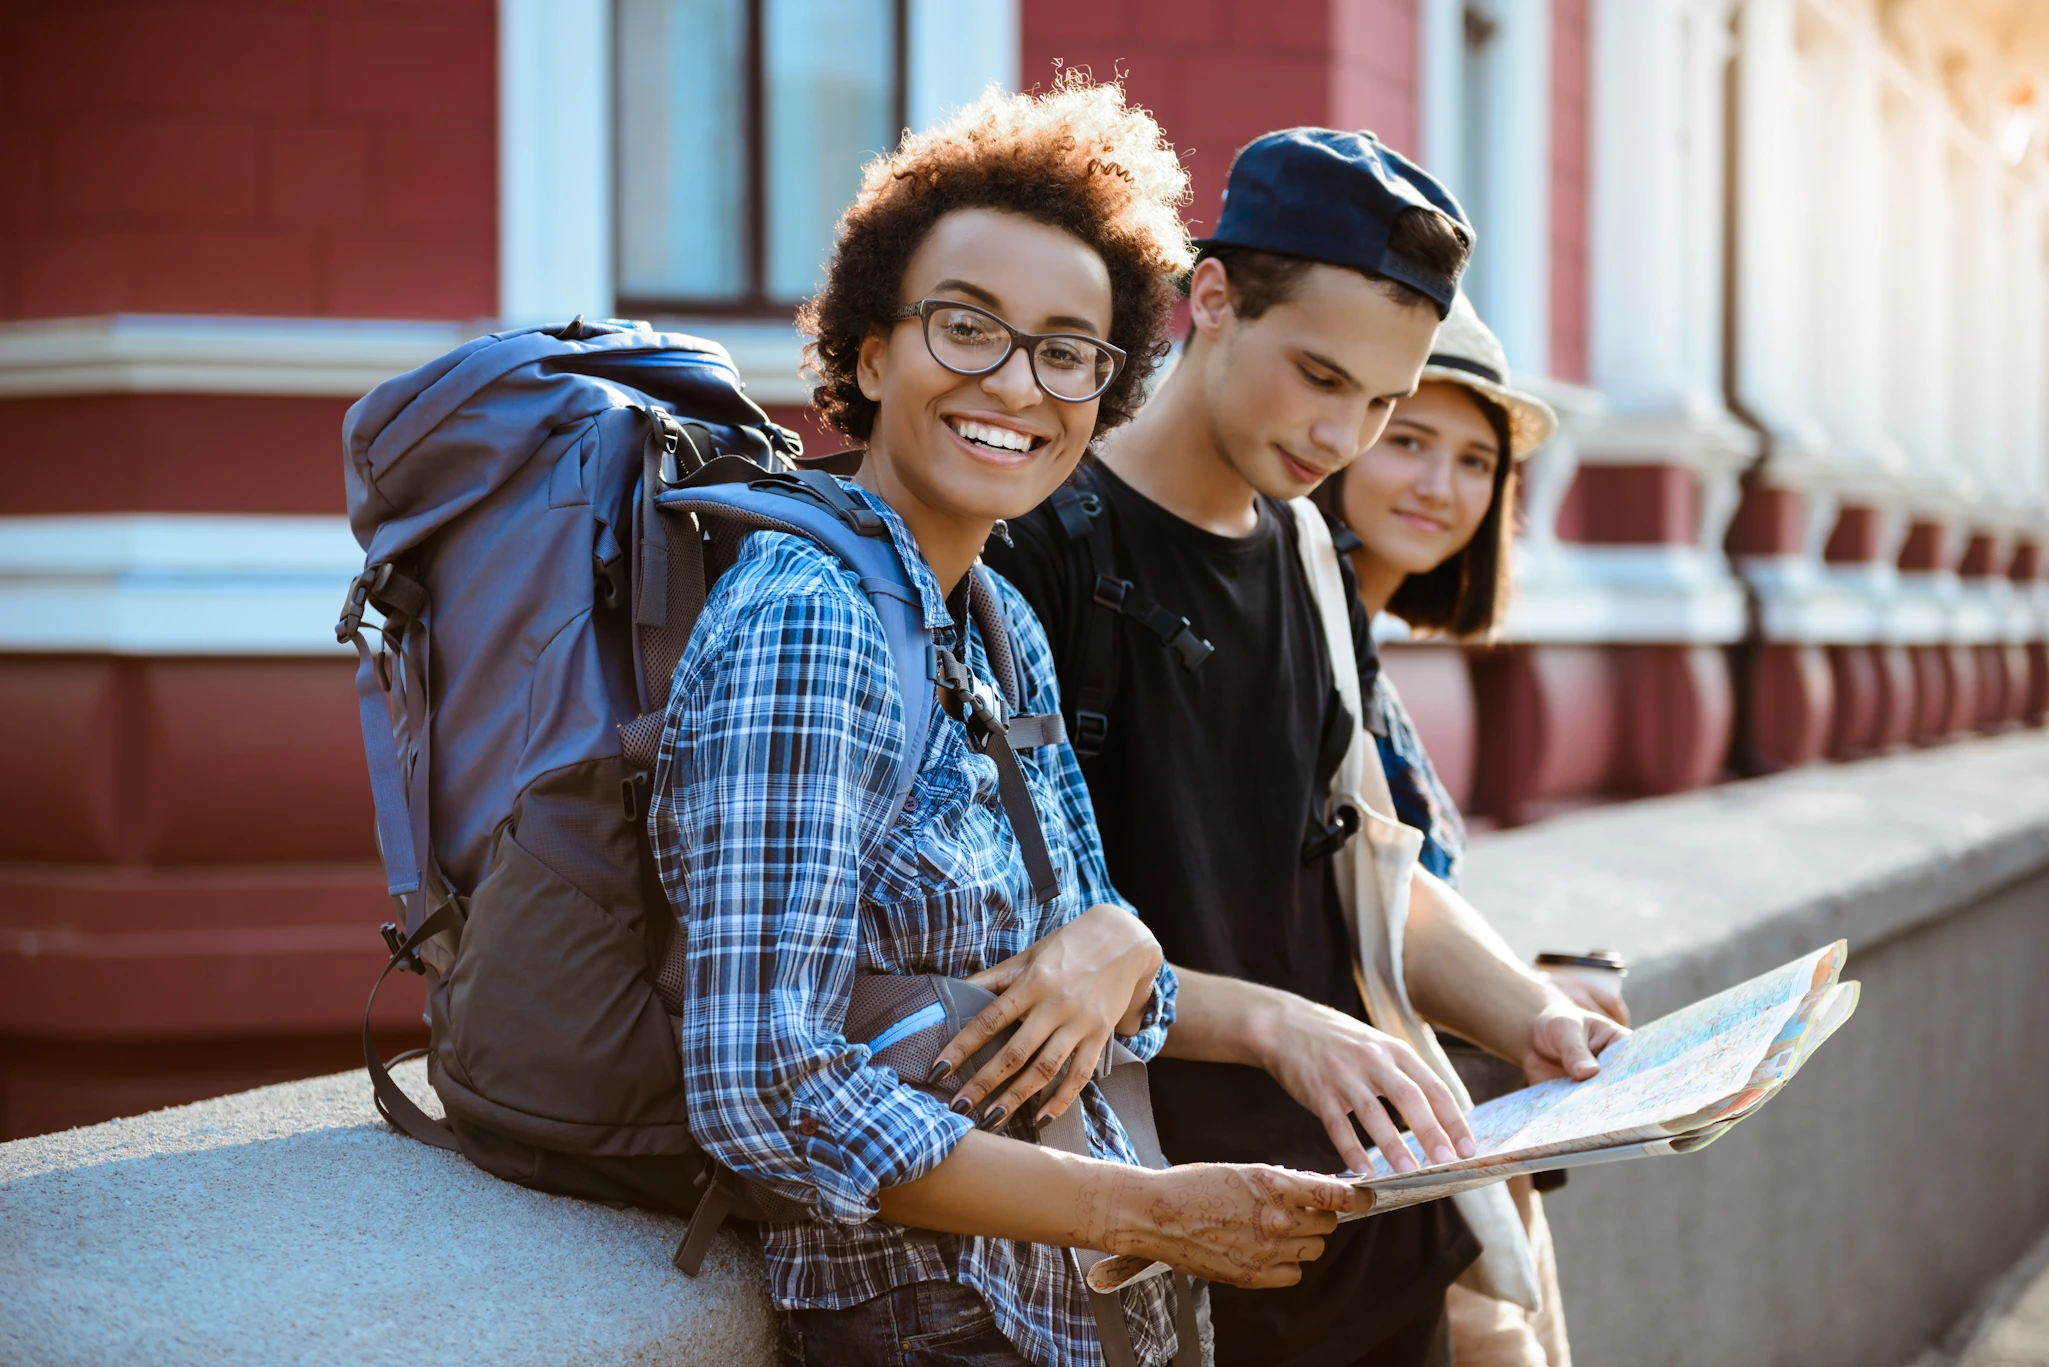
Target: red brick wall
{"x": 1373, "y": 70}
{"x": 189, "y": 890}
{"x": 171, "y": 453}
{"x": 1571, "y": 120}
{"x": 298, "y": 157}
{"x": 1217, "y": 73}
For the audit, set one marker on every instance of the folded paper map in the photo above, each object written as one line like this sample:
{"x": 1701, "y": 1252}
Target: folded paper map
{"x": 1674, "y": 1086}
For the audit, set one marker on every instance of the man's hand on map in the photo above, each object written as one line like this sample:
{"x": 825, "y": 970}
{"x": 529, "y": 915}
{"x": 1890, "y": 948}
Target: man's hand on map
{"x": 1334, "y": 1065}
{"x": 1337, "y": 1068}
{"x": 1564, "y": 1039}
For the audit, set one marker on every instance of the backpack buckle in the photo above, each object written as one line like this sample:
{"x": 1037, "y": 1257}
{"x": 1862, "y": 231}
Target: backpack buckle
{"x": 634, "y": 791}
{"x": 669, "y": 433}
{"x": 1343, "y": 825}
{"x": 1111, "y": 593}
{"x": 395, "y": 941}
{"x": 1091, "y": 729}
{"x": 358, "y": 598}
{"x": 944, "y": 668}
{"x": 1189, "y": 648}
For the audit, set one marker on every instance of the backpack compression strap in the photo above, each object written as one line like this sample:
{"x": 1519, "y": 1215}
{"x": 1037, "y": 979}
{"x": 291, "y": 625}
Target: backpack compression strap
{"x": 1081, "y": 516}
{"x": 989, "y": 725}
{"x": 401, "y": 600}
{"x": 393, "y": 1104}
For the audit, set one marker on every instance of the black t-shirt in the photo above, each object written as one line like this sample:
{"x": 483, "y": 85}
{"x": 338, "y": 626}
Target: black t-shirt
{"x": 1206, "y": 790}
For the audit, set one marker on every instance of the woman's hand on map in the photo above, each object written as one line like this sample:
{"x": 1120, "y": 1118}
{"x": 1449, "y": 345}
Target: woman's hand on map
{"x": 1566, "y": 1038}
{"x": 1067, "y": 993}
{"x": 1244, "y": 1224}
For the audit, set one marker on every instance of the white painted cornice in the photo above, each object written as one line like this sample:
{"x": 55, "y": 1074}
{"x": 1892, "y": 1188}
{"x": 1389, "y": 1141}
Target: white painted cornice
{"x": 174, "y": 584}
{"x": 1568, "y": 593}
{"x": 1801, "y": 599}
{"x": 171, "y": 354}
{"x": 1709, "y": 443}
{"x": 317, "y": 357}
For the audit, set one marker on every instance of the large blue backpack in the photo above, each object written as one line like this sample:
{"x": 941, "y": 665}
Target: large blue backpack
{"x": 542, "y": 512}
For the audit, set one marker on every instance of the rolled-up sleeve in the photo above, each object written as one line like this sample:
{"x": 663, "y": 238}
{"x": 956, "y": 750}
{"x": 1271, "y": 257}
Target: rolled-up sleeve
{"x": 778, "y": 749}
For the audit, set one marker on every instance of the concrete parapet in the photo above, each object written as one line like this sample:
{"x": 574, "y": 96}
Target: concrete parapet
{"x": 290, "y": 1225}
{"x": 1867, "y": 1208}
{"x": 1849, "y": 1223}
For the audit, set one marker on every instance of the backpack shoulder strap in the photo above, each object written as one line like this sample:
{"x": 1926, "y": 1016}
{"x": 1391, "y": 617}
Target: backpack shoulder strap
{"x": 797, "y": 504}
{"x": 1079, "y": 508}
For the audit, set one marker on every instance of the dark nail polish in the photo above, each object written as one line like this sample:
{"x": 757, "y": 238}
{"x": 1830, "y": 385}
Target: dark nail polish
{"x": 994, "y": 1118}
{"x": 961, "y": 1105}
{"x": 1044, "y": 1119}
{"x": 940, "y": 1071}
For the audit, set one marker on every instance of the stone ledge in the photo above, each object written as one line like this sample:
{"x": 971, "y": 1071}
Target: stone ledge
{"x": 289, "y": 1224}
{"x": 1705, "y": 889}
{"x": 1861, "y": 1213}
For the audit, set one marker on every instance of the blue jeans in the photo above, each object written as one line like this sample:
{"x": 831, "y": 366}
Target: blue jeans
{"x": 925, "y": 1324}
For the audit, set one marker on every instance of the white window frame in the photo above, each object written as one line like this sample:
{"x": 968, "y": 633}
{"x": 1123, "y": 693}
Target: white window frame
{"x": 556, "y": 201}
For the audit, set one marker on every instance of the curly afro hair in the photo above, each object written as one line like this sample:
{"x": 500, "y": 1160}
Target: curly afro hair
{"x": 1076, "y": 158}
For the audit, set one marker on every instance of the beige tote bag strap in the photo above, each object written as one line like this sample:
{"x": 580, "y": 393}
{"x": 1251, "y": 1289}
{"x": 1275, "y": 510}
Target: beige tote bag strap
{"x": 1373, "y": 870}
{"x": 1327, "y": 584}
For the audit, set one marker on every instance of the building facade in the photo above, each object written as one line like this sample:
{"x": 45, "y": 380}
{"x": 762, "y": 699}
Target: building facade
{"x": 1780, "y": 264}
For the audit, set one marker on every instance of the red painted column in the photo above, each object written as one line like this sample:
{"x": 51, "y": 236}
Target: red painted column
{"x": 1549, "y": 735}
{"x": 1874, "y": 684}
{"x": 1677, "y": 715}
{"x": 2002, "y": 667}
{"x": 1945, "y": 675}
{"x": 819, "y": 440}
{"x": 2027, "y": 571}
{"x": 1856, "y": 714}
{"x": 1789, "y": 687}
{"x": 1687, "y": 688}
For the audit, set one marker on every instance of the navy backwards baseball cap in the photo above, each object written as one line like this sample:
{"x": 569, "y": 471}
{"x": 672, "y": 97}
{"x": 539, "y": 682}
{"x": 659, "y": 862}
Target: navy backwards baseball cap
{"x": 1333, "y": 197}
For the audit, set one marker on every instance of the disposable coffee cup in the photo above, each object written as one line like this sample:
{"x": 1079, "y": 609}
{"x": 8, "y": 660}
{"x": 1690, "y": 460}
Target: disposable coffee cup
{"x": 1600, "y": 966}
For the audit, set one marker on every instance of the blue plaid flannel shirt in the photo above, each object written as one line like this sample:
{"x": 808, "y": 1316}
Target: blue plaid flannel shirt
{"x": 791, "y": 871}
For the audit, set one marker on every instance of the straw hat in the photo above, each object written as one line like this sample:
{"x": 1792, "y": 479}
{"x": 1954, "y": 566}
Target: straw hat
{"x": 1468, "y": 353}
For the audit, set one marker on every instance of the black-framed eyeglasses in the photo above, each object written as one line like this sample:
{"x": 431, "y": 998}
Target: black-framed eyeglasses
{"x": 1070, "y": 366}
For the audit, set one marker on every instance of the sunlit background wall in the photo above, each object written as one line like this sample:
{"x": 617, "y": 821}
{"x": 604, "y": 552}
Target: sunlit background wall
{"x": 1779, "y": 263}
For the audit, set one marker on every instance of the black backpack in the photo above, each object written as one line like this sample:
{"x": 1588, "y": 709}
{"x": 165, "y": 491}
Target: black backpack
{"x": 1092, "y": 566}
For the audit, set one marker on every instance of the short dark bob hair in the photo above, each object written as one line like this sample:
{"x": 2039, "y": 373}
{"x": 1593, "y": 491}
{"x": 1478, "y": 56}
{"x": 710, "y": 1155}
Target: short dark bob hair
{"x": 1077, "y": 158}
{"x": 1466, "y": 597}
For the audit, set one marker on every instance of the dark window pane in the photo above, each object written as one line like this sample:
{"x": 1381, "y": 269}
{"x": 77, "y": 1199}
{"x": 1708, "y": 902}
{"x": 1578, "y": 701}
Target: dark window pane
{"x": 829, "y": 106}
{"x": 682, "y": 166}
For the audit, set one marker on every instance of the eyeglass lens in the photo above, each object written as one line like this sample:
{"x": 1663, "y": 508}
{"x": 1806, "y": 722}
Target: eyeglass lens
{"x": 972, "y": 342}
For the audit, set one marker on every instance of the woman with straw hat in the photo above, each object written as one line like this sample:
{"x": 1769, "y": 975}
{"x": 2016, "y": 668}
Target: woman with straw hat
{"x": 1427, "y": 515}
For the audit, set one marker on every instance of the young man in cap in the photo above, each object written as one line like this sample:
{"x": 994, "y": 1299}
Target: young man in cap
{"x": 1198, "y": 686}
